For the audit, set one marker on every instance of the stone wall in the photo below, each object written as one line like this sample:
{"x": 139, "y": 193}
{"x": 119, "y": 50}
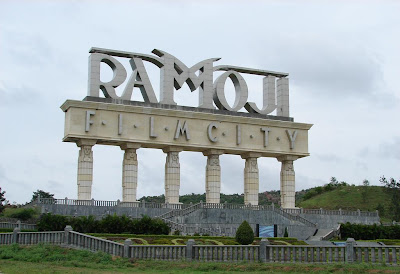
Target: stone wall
{"x": 332, "y": 221}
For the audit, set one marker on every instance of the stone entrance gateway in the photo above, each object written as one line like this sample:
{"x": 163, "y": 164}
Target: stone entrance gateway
{"x": 135, "y": 125}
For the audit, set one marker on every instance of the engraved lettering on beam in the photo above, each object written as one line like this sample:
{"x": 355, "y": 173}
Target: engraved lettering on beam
{"x": 151, "y": 133}
{"x": 88, "y": 121}
{"x": 292, "y": 137}
{"x": 209, "y": 132}
{"x": 181, "y": 130}
{"x": 119, "y": 124}
{"x": 266, "y": 131}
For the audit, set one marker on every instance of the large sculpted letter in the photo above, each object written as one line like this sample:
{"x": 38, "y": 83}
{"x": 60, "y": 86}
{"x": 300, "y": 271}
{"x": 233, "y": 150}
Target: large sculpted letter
{"x": 139, "y": 79}
{"x": 268, "y": 97}
{"x": 241, "y": 91}
{"x": 174, "y": 74}
{"x": 94, "y": 75}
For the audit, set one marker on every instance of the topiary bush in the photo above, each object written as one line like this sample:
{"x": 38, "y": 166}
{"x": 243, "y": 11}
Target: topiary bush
{"x": 244, "y": 234}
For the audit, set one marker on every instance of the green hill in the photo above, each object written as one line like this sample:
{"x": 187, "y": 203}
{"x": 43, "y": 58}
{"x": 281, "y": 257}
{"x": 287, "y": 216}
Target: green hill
{"x": 366, "y": 198}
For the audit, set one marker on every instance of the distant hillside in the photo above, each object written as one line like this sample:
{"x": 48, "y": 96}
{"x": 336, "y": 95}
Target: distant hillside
{"x": 265, "y": 198}
{"x": 368, "y": 198}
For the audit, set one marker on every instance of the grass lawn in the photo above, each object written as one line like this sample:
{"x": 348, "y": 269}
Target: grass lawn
{"x": 53, "y": 259}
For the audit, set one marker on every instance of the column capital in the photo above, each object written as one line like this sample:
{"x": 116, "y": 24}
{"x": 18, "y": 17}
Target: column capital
{"x": 213, "y": 152}
{"x": 172, "y": 149}
{"x": 287, "y": 158}
{"x": 125, "y": 146}
{"x": 86, "y": 142}
{"x": 251, "y": 155}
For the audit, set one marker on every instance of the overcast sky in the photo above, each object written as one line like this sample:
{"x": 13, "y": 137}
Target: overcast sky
{"x": 343, "y": 60}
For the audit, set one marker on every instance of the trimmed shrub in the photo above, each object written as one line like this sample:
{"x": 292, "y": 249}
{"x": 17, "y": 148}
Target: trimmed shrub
{"x": 23, "y": 214}
{"x": 51, "y": 222}
{"x": 244, "y": 234}
{"x": 286, "y": 234}
{"x": 109, "y": 224}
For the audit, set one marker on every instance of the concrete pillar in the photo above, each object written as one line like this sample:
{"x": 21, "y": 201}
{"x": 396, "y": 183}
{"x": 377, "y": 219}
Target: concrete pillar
{"x": 189, "y": 249}
{"x": 287, "y": 181}
{"x": 129, "y": 172}
{"x": 251, "y": 178}
{"x": 85, "y": 169}
{"x": 350, "y": 254}
{"x": 213, "y": 176}
{"x": 172, "y": 175}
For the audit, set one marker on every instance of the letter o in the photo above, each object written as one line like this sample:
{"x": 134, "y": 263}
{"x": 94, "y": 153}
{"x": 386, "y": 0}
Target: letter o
{"x": 241, "y": 91}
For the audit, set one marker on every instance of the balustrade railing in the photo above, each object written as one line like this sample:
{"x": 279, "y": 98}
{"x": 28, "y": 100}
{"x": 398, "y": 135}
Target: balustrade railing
{"x": 9, "y": 225}
{"x": 264, "y": 252}
{"x": 226, "y": 253}
{"x": 291, "y": 211}
{"x": 158, "y": 252}
{"x": 6, "y": 238}
{"x": 305, "y": 254}
{"x": 382, "y": 255}
{"x": 31, "y": 238}
{"x": 81, "y": 240}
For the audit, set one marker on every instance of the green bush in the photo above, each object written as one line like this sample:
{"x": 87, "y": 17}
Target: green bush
{"x": 286, "y": 234}
{"x": 109, "y": 224}
{"x": 52, "y": 222}
{"x": 22, "y": 214}
{"x": 369, "y": 232}
{"x": 244, "y": 234}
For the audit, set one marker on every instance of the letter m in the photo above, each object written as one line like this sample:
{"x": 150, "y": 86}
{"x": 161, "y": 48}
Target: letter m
{"x": 174, "y": 74}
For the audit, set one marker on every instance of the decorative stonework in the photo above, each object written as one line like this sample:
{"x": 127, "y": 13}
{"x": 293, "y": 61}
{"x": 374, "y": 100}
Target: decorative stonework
{"x": 129, "y": 175}
{"x": 251, "y": 181}
{"x": 213, "y": 179}
{"x": 85, "y": 172}
{"x": 172, "y": 177}
{"x": 287, "y": 182}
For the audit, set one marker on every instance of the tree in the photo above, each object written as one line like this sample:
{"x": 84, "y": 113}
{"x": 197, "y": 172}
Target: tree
{"x": 393, "y": 187}
{"x": 2, "y": 199}
{"x": 244, "y": 234}
{"x": 286, "y": 234}
{"x": 42, "y": 194}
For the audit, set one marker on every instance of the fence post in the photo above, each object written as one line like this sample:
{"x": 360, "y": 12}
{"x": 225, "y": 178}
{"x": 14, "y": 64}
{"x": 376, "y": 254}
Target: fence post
{"x": 127, "y": 244}
{"x": 189, "y": 249}
{"x": 350, "y": 243}
{"x": 19, "y": 224}
{"x": 67, "y": 230}
{"x": 15, "y": 235}
{"x": 262, "y": 252}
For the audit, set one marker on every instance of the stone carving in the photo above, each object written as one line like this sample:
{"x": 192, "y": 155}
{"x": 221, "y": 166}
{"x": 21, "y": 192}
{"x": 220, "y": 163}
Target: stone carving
{"x": 86, "y": 154}
{"x": 174, "y": 74}
{"x": 173, "y": 159}
{"x": 130, "y": 156}
{"x": 251, "y": 165}
{"x": 213, "y": 160}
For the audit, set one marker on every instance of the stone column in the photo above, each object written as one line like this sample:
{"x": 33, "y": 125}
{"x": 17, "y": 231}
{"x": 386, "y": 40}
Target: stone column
{"x": 85, "y": 169}
{"x": 129, "y": 172}
{"x": 251, "y": 179}
{"x": 213, "y": 176}
{"x": 287, "y": 181}
{"x": 172, "y": 175}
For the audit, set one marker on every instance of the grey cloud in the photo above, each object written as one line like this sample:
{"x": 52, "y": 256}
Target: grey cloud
{"x": 326, "y": 66}
{"x": 328, "y": 157}
{"x": 11, "y": 96}
{"x": 390, "y": 149}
